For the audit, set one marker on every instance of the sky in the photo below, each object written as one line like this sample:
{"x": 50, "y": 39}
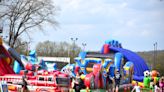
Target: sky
{"x": 137, "y": 24}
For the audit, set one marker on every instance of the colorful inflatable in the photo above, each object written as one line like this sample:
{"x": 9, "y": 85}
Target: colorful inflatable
{"x": 43, "y": 81}
{"x": 30, "y": 62}
{"x": 70, "y": 69}
{"x": 113, "y": 49}
{"x": 95, "y": 79}
{"x": 97, "y": 66}
{"x": 5, "y": 60}
{"x": 103, "y": 66}
{"x": 84, "y": 63}
{"x": 128, "y": 72}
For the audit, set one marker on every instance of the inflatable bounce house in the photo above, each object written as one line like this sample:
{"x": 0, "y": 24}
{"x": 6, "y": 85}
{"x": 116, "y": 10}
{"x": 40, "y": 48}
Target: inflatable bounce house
{"x": 43, "y": 80}
{"x": 32, "y": 62}
{"x": 5, "y": 60}
{"x": 96, "y": 66}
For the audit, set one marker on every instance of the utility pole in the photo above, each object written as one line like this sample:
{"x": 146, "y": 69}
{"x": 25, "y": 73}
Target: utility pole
{"x": 27, "y": 47}
{"x": 154, "y": 57}
{"x": 74, "y": 43}
{"x": 84, "y": 44}
{"x": 155, "y": 54}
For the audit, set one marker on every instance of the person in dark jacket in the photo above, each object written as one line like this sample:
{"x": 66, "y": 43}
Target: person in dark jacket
{"x": 78, "y": 83}
{"x": 111, "y": 82}
{"x": 117, "y": 79}
{"x": 24, "y": 83}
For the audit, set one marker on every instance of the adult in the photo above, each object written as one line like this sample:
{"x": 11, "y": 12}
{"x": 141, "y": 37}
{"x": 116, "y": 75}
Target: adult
{"x": 111, "y": 84}
{"x": 117, "y": 79}
{"x": 24, "y": 82}
{"x": 78, "y": 82}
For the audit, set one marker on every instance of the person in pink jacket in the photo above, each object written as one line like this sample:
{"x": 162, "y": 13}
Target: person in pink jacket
{"x": 161, "y": 84}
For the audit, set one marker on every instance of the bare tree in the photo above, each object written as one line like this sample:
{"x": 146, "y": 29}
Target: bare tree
{"x": 21, "y": 16}
{"x": 61, "y": 49}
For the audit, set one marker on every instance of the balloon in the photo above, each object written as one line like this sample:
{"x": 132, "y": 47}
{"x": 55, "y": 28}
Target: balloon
{"x": 154, "y": 73}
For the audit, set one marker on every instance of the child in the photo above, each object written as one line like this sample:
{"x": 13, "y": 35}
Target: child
{"x": 156, "y": 87}
{"x": 161, "y": 83}
{"x": 137, "y": 88}
{"x": 152, "y": 84}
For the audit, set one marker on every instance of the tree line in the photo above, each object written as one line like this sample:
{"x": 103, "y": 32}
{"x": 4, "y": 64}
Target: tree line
{"x": 154, "y": 63}
{"x": 57, "y": 49}
{"x": 53, "y": 49}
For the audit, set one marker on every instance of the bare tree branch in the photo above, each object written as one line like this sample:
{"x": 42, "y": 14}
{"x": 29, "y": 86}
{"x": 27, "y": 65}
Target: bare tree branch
{"x": 23, "y": 15}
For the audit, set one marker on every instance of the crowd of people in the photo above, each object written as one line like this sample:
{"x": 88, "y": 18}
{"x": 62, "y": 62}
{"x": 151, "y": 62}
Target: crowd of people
{"x": 156, "y": 87}
{"x": 114, "y": 83}
{"x": 77, "y": 82}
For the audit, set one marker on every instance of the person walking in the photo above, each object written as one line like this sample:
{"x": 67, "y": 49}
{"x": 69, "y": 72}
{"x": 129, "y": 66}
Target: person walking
{"x": 111, "y": 85}
{"x": 24, "y": 82}
{"x": 117, "y": 79}
{"x": 78, "y": 82}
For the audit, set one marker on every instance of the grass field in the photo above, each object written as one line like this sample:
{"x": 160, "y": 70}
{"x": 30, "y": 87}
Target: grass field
{"x": 102, "y": 90}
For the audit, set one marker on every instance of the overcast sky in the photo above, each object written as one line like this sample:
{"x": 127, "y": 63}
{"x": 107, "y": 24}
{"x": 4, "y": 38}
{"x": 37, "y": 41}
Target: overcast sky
{"x": 137, "y": 24}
